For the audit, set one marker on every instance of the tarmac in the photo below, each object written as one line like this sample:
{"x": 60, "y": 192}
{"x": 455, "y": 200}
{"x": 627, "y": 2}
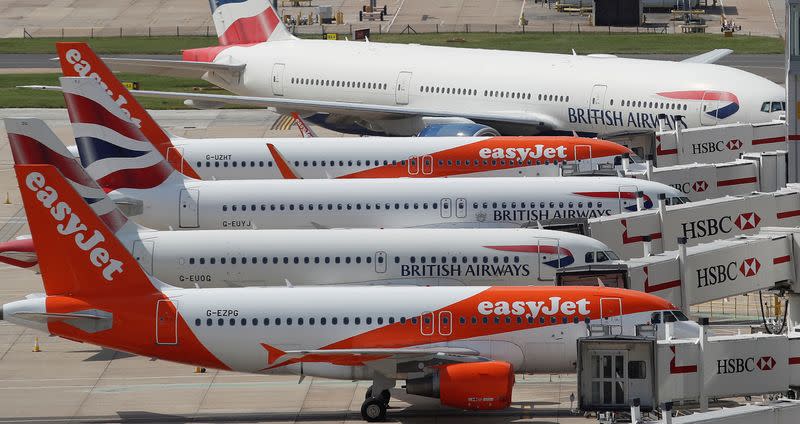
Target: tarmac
{"x": 81, "y": 18}
{"x": 73, "y": 382}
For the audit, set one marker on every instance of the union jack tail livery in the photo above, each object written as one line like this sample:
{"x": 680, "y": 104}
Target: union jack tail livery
{"x": 247, "y": 22}
{"x": 32, "y": 142}
{"x": 112, "y": 147}
{"x": 79, "y": 60}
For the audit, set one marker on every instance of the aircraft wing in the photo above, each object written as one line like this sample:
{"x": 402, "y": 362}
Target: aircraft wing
{"x": 709, "y": 57}
{"x": 393, "y": 353}
{"x": 175, "y": 68}
{"x": 541, "y": 122}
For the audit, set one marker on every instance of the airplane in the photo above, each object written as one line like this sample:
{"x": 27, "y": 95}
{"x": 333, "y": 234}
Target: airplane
{"x": 462, "y": 345}
{"x": 337, "y": 157}
{"x": 123, "y": 161}
{"x": 222, "y": 258}
{"x": 398, "y": 89}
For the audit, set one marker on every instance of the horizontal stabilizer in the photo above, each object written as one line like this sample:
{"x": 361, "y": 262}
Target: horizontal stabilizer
{"x": 709, "y": 57}
{"x": 175, "y": 68}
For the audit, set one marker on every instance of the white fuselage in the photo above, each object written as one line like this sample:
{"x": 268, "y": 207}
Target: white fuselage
{"x": 382, "y": 157}
{"x": 181, "y": 203}
{"x": 220, "y": 258}
{"x": 565, "y": 92}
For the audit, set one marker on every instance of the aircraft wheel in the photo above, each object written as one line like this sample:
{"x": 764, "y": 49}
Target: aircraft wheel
{"x": 386, "y": 396}
{"x": 373, "y": 410}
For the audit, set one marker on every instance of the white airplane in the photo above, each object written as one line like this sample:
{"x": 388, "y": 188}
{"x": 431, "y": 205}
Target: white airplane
{"x": 337, "y": 157}
{"x": 398, "y": 89}
{"x": 462, "y": 345}
{"x": 116, "y": 154}
{"x": 222, "y": 258}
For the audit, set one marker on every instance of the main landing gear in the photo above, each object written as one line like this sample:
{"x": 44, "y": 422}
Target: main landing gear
{"x": 374, "y": 408}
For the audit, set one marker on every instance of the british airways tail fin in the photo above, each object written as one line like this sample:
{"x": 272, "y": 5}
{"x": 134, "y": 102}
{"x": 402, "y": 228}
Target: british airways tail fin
{"x": 112, "y": 148}
{"x": 247, "y": 22}
{"x": 79, "y": 60}
{"x": 33, "y": 143}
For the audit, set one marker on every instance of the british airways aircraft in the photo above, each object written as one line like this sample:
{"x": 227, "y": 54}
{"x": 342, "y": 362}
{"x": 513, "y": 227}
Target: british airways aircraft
{"x": 122, "y": 159}
{"x": 337, "y": 157}
{"x": 398, "y": 89}
{"x": 462, "y": 345}
{"x": 222, "y": 258}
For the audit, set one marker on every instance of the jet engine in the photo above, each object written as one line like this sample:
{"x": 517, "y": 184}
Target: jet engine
{"x": 472, "y": 385}
{"x": 460, "y": 130}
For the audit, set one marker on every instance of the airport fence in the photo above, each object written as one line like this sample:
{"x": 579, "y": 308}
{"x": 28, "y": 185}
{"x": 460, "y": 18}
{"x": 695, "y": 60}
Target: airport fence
{"x": 376, "y": 27}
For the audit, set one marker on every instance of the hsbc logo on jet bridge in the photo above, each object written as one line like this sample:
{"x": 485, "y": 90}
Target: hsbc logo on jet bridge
{"x": 718, "y": 274}
{"x": 716, "y": 146}
{"x": 709, "y": 227}
{"x": 687, "y": 187}
{"x": 740, "y": 365}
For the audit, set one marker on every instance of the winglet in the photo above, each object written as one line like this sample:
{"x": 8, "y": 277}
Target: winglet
{"x": 709, "y": 57}
{"x": 283, "y": 166}
{"x": 273, "y": 353}
{"x": 19, "y": 252}
{"x": 305, "y": 130}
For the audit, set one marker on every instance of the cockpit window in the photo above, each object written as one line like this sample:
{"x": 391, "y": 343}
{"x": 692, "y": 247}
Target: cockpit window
{"x": 677, "y": 200}
{"x": 768, "y": 107}
{"x": 589, "y": 257}
{"x": 601, "y": 257}
{"x": 611, "y": 255}
{"x": 655, "y": 318}
{"x": 680, "y": 315}
{"x": 668, "y": 317}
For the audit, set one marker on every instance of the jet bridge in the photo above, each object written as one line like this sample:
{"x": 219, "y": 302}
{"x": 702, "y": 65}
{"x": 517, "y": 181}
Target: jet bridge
{"x": 636, "y": 234}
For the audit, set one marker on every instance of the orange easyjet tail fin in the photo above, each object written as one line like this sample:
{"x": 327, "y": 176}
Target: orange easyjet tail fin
{"x": 78, "y": 255}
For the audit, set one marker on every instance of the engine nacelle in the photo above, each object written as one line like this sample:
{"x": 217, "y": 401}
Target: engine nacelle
{"x": 472, "y": 385}
{"x": 457, "y": 130}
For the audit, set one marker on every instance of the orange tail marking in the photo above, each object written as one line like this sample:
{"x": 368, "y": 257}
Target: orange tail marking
{"x": 273, "y": 353}
{"x": 283, "y": 166}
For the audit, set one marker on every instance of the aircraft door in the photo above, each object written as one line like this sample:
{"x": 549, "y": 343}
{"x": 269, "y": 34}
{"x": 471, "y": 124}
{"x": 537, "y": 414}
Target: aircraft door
{"x": 598, "y": 100}
{"x": 143, "y": 252}
{"x": 709, "y": 108}
{"x": 549, "y": 258}
{"x": 445, "y": 323}
{"x": 426, "y": 324}
{"x": 445, "y": 208}
{"x": 583, "y": 157}
{"x": 277, "y": 79}
{"x": 461, "y": 208}
{"x": 175, "y": 158}
{"x": 402, "y": 88}
{"x": 189, "y": 211}
{"x": 167, "y": 322}
{"x": 611, "y": 314}
{"x": 380, "y": 262}
{"x": 427, "y": 165}
{"x": 413, "y": 165}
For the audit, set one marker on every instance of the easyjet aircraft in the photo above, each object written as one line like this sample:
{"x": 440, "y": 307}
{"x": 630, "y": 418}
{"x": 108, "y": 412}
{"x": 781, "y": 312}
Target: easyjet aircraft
{"x": 337, "y": 157}
{"x": 116, "y": 153}
{"x": 397, "y": 89}
{"x": 462, "y": 345}
{"x": 219, "y": 258}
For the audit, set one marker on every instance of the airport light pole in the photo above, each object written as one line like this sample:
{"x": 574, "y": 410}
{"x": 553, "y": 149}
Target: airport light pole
{"x": 792, "y": 76}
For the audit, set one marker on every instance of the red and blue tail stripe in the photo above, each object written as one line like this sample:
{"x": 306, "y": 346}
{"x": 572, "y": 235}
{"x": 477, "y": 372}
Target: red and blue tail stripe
{"x": 729, "y": 101}
{"x": 244, "y": 21}
{"x": 563, "y": 256}
{"x": 112, "y": 148}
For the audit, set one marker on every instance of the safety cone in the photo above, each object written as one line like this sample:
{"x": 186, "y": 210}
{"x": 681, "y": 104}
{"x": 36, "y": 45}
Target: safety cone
{"x": 36, "y": 345}
{"x": 8, "y": 199}
{"x": 199, "y": 370}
